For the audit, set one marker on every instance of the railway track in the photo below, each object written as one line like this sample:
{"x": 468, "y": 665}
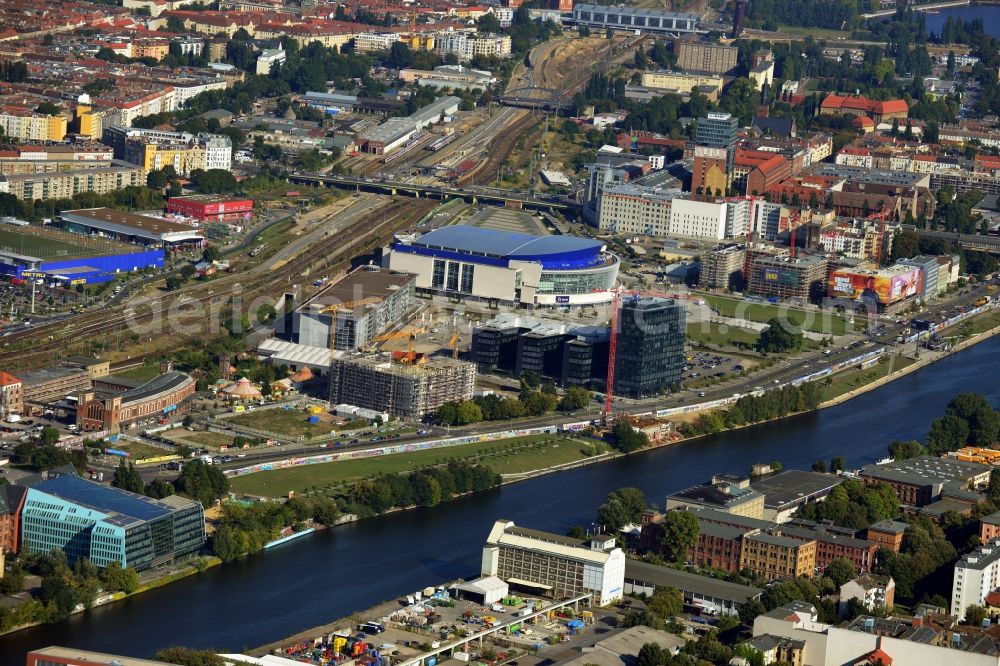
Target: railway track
{"x": 46, "y": 343}
{"x": 499, "y": 153}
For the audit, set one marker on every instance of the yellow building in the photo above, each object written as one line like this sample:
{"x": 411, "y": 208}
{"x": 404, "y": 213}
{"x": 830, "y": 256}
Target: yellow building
{"x": 772, "y": 556}
{"x": 33, "y": 126}
{"x": 679, "y": 81}
{"x": 184, "y": 159}
{"x": 156, "y": 49}
{"x": 978, "y": 455}
{"x": 64, "y": 184}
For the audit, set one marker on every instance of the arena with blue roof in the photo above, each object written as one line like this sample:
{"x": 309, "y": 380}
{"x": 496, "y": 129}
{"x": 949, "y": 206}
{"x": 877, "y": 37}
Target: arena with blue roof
{"x": 89, "y": 520}
{"x": 478, "y": 263}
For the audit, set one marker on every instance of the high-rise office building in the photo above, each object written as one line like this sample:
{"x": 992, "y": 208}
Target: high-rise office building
{"x": 714, "y": 153}
{"x": 650, "y": 348}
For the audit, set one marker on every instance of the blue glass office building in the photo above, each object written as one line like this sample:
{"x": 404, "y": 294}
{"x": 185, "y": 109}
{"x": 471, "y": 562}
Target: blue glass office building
{"x": 103, "y": 524}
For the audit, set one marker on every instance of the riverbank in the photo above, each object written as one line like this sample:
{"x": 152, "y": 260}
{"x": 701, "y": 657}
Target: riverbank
{"x": 204, "y": 563}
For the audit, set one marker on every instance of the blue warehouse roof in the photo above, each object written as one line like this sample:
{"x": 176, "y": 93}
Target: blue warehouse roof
{"x": 551, "y": 251}
{"x": 103, "y": 498}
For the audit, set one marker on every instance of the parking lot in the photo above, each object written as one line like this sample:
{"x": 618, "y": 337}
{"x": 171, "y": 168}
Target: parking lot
{"x": 418, "y": 623}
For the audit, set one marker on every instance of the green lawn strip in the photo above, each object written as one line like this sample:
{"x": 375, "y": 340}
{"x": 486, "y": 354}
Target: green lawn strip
{"x": 850, "y": 380}
{"x": 711, "y": 333}
{"x": 140, "y": 451}
{"x": 973, "y": 326}
{"x": 507, "y": 456}
{"x": 818, "y": 322}
{"x": 141, "y": 373}
{"x": 212, "y": 440}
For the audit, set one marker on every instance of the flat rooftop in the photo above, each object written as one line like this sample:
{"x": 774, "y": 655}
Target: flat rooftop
{"x": 794, "y": 487}
{"x": 122, "y": 507}
{"x": 686, "y": 581}
{"x": 119, "y": 220}
{"x": 97, "y": 658}
{"x": 208, "y": 198}
{"x": 362, "y": 283}
{"x": 36, "y": 377}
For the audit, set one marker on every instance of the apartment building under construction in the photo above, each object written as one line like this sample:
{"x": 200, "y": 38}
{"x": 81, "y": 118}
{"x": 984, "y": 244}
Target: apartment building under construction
{"x": 406, "y": 390}
{"x": 779, "y": 275}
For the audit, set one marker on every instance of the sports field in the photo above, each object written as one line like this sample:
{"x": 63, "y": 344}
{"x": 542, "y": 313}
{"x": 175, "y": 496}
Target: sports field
{"x": 52, "y": 244}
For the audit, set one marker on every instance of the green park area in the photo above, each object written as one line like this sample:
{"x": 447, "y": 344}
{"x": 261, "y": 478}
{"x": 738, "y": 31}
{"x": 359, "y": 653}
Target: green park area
{"x": 508, "y": 456}
{"x": 851, "y": 380}
{"x": 823, "y": 322}
{"x": 721, "y": 335}
{"x": 211, "y": 440}
{"x": 140, "y": 450}
{"x": 288, "y": 422}
{"x": 973, "y": 326}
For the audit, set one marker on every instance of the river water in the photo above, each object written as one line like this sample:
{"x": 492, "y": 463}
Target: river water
{"x": 337, "y": 572}
{"x": 988, "y": 13}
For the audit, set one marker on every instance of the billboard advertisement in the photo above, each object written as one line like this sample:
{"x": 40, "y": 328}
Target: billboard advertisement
{"x": 880, "y": 288}
{"x": 779, "y": 277}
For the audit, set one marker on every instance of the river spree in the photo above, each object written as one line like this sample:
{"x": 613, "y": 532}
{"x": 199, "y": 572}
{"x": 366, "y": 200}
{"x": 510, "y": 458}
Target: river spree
{"x": 990, "y": 14}
{"x": 332, "y": 574}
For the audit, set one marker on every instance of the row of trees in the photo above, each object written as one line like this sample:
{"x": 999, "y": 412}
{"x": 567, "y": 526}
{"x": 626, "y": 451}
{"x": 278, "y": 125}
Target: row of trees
{"x": 63, "y": 588}
{"x": 530, "y": 402}
{"x": 756, "y": 408}
{"x": 853, "y": 504}
{"x": 246, "y": 529}
{"x": 203, "y": 483}
{"x": 428, "y": 487}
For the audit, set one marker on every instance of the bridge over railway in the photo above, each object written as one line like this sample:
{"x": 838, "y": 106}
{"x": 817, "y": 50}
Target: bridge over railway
{"x": 537, "y": 99}
{"x": 487, "y": 195}
{"x": 976, "y": 242}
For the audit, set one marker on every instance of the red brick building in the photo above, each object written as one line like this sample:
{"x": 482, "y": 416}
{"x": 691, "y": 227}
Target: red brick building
{"x": 212, "y": 208}
{"x": 859, "y": 105}
{"x": 11, "y": 502}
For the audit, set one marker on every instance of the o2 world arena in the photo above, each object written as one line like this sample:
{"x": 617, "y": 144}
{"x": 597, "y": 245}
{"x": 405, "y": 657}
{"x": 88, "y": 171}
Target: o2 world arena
{"x": 505, "y": 268}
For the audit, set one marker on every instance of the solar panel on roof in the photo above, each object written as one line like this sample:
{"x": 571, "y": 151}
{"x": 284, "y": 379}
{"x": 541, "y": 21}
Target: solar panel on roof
{"x": 102, "y": 498}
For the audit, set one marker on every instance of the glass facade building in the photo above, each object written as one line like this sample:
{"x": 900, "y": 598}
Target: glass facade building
{"x": 650, "y": 349}
{"x": 91, "y": 521}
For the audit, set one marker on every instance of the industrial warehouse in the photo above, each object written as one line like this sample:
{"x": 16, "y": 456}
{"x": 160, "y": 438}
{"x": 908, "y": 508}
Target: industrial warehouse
{"x": 66, "y": 259}
{"x": 506, "y": 268}
{"x": 131, "y": 228}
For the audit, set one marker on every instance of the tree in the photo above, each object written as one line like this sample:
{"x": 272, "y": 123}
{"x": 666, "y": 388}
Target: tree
{"x": 48, "y": 435}
{"x": 666, "y": 602}
{"x": 680, "y": 532}
{"x": 48, "y": 108}
{"x": 652, "y": 654}
{"x": 211, "y": 253}
{"x": 947, "y": 433}
{"x": 627, "y": 439}
{"x": 840, "y": 570}
{"x": 488, "y": 23}
{"x": 974, "y": 615}
{"x": 213, "y": 181}
{"x": 838, "y": 464}
{"x": 819, "y": 466}
{"x": 127, "y": 478}
{"x": 622, "y": 506}
{"x": 776, "y": 338}
{"x": 576, "y": 397}
{"x": 188, "y": 657}
{"x": 205, "y": 483}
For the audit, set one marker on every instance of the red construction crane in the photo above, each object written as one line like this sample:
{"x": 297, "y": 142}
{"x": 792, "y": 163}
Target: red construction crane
{"x": 616, "y": 305}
